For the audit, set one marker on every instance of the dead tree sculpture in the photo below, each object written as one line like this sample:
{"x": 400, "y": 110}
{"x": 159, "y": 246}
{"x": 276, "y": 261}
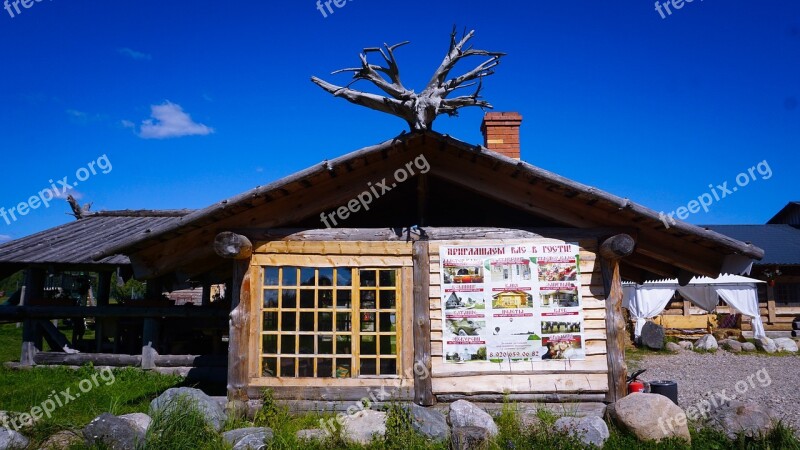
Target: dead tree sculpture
{"x": 419, "y": 110}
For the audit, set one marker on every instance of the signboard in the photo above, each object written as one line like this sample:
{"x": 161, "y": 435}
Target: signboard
{"x": 511, "y": 303}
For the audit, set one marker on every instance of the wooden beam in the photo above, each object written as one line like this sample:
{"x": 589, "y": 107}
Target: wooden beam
{"x": 423, "y": 388}
{"x": 230, "y": 245}
{"x": 31, "y": 335}
{"x": 17, "y": 313}
{"x": 238, "y": 350}
{"x": 617, "y": 247}
{"x": 612, "y": 250}
{"x": 103, "y": 287}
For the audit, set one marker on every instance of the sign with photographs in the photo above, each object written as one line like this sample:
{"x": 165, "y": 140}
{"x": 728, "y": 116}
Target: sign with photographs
{"x": 511, "y": 303}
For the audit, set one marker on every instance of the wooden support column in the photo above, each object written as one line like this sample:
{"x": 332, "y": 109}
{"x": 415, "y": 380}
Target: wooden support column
{"x": 687, "y": 308}
{"x": 612, "y": 250}
{"x": 238, "y": 248}
{"x": 103, "y": 296}
{"x": 423, "y": 386}
{"x": 150, "y": 329}
{"x": 771, "y": 316}
{"x": 206, "y": 293}
{"x": 31, "y": 335}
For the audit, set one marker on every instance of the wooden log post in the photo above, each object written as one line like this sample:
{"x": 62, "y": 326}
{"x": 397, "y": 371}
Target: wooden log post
{"x": 771, "y": 316}
{"x": 423, "y": 385}
{"x": 31, "y": 335}
{"x": 151, "y": 328}
{"x": 237, "y": 247}
{"x": 103, "y": 296}
{"x": 612, "y": 250}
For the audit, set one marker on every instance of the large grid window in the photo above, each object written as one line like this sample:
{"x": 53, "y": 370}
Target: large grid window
{"x": 330, "y": 322}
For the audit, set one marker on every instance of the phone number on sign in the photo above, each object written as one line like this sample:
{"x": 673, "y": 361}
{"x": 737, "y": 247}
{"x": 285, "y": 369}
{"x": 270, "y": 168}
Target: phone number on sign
{"x": 513, "y": 354}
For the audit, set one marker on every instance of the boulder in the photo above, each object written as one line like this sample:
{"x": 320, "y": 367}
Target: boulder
{"x": 651, "y": 417}
{"x": 766, "y": 344}
{"x": 707, "y": 343}
{"x": 428, "y": 422}
{"x": 652, "y": 336}
{"x": 363, "y": 426}
{"x": 311, "y": 435}
{"x": 591, "y": 430}
{"x": 736, "y": 417}
{"x": 748, "y": 347}
{"x": 732, "y": 346}
{"x": 255, "y": 441}
{"x": 212, "y": 411}
{"x": 686, "y": 345}
{"x": 673, "y": 347}
{"x": 10, "y": 439}
{"x": 139, "y": 419}
{"x": 109, "y": 431}
{"x": 465, "y": 414}
{"x": 234, "y": 436}
{"x": 786, "y": 345}
{"x": 469, "y": 438}
{"x": 61, "y": 441}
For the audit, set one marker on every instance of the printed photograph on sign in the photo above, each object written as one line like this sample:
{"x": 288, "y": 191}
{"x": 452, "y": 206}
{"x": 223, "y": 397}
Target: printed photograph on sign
{"x": 557, "y": 269}
{"x": 559, "y": 296}
{"x": 465, "y": 327}
{"x": 512, "y": 300}
{"x": 466, "y": 353}
{"x": 557, "y": 327}
{"x": 510, "y": 270}
{"x": 464, "y": 301}
{"x": 566, "y": 346}
{"x": 516, "y": 326}
{"x": 463, "y": 274}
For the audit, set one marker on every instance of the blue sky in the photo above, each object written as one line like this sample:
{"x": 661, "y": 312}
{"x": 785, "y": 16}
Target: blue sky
{"x": 196, "y": 101}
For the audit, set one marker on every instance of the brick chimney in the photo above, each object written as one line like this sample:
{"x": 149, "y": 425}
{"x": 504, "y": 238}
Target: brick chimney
{"x": 501, "y": 133}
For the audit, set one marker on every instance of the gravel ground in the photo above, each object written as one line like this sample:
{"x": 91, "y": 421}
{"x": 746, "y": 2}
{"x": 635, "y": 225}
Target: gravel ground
{"x": 775, "y": 379}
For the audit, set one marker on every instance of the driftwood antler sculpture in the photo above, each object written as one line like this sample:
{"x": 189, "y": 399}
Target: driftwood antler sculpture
{"x": 419, "y": 110}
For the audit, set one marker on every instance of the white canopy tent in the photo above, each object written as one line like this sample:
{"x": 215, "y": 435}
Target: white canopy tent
{"x": 649, "y": 300}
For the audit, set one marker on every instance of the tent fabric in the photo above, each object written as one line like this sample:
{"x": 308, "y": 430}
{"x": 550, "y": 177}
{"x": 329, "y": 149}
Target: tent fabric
{"x": 704, "y": 296}
{"x": 744, "y": 300}
{"x": 645, "y": 303}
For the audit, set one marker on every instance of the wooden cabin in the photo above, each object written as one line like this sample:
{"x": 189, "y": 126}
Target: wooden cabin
{"x": 340, "y": 275}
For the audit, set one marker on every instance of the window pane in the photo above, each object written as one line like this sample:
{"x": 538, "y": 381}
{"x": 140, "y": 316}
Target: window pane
{"x": 388, "y": 299}
{"x": 368, "y": 345}
{"x": 368, "y": 278}
{"x": 326, "y": 276}
{"x": 368, "y": 322}
{"x": 306, "y": 321}
{"x": 343, "y": 299}
{"x": 307, "y": 276}
{"x": 388, "y": 345}
{"x": 343, "y": 322}
{"x": 270, "y": 298}
{"x": 269, "y": 367}
{"x": 289, "y": 299}
{"x": 288, "y": 321}
{"x": 344, "y": 277}
{"x": 324, "y": 368}
{"x": 389, "y": 366}
{"x": 388, "y": 278}
{"x": 343, "y": 345}
{"x": 368, "y": 367}
{"x": 269, "y": 343}
{"x": 306, "y": 344}
{"x": 288, "y": 344}
{"x": 325, "y": 345}
{"x": 368, "y": 299}
{"x": 343, "y": 368}
{"x": 287, "y": 367}
{"x": 305, "y": 368}
{"x": 270, "y": 321}
{"x": 325, "y": 321}
{"x": 387, "y": 321}
{"x": 325, "y": 298}
{"x": 270, "y": 276}
{"x": 290, "y": 276}
{"x": 306, "y": 298}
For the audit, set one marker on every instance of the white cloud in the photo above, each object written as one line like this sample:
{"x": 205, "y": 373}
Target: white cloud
{"x": 59, "y": 193}
{"x": 4, "y": 237}
{"x": 133, "y": 54}
{"x": 169, "y": 121}
{"x": 127, "y": 124}
{"x": 83, "y": 118}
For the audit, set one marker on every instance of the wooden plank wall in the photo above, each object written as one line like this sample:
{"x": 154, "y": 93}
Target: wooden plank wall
{"x": 546, "y": 377}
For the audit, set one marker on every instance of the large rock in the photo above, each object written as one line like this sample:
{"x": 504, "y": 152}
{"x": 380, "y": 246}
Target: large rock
{"x": 61, "y": 441}
{"x": 141, "y": 420}
{"x": 686, "y": 345}
{"x": 748, "y": 347}
{"x": 673, "y": 347}
{"x": 234, "y": 436}
{"x": 786, "y": 345}
{"x": 652, "y": 336}
{"x": 469, "y": 438}
{"x": 465, "y": 414}
{"x": 10, "y": 439}
{"x": 707, "y": 343}
{"x": 651, "y": 417}
{"x": 111, "y": 432}
{"x": 428, "y": 422}
{"x": 591, "y": 430}
{"x": 255, "y": 441}
{"x": 211, "y": 410}
{"x": 731, "y": 345}
{"x": 311, "y": 435}
{"x": 766, "y": 344}
{"x": 736, "y": 417}
{"x": 363, "y": 426}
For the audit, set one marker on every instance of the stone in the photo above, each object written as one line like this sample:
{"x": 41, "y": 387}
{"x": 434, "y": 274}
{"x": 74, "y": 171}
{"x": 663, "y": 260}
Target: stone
{"x": 212, "y": 411}
{"x": 141, "y": 420}
{"x": 732, "y": 346}
{"x": 652, "y": 336}
{"x": 234, "y": 436}
{"x": 748, "y": 347}
{"x": 786, "y": 345}
{"x": 736, "y": 417}
{"x": 465, "y": 414}
{"x": 10, "y": 439}
{"x": 111, "y": 432}
{"x": 363, "y": 426}
{"x": 61, "y": 441}
{"x": 312, "y": 435}
{"x": 766, "y": 344}
{"x": 650, "y": 417}
{"x": 428, "y": 422}
{"x": 255, "y": 441}
{"x": 707, "y": 343}
{"x": 686, "y": 345}
{"x": 469, "y": 438}
{"x": 673, "y": 347}
{"x": 591, "y": 430}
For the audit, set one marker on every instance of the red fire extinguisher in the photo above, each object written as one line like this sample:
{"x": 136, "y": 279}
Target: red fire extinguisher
{"x": 634, "y": 385}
